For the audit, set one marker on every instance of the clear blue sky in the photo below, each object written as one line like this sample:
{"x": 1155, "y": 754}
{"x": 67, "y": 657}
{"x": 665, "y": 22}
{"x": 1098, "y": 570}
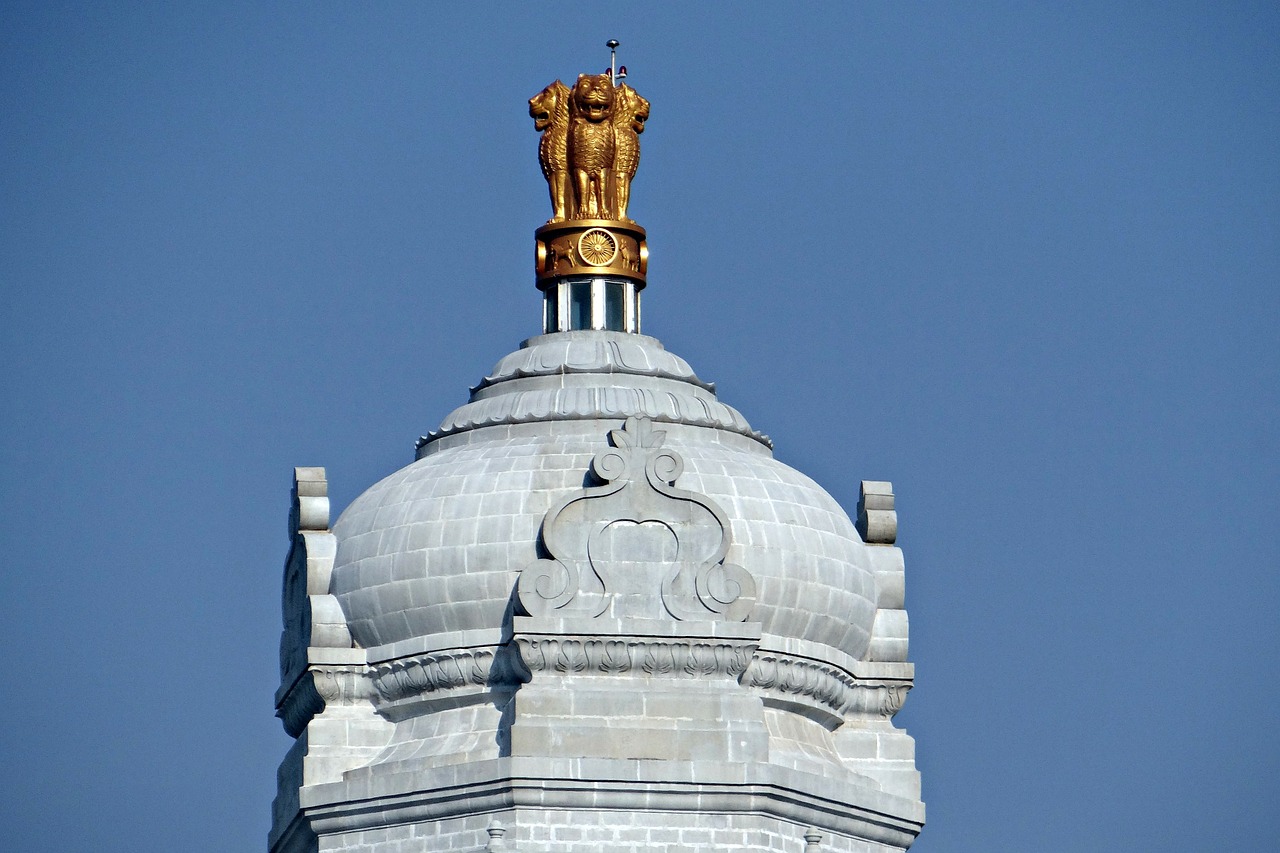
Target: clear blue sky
{"x": 1022, "y": 260}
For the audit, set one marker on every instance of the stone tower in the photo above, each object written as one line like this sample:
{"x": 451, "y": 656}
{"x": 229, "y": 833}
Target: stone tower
{"x": 595, "y": 614}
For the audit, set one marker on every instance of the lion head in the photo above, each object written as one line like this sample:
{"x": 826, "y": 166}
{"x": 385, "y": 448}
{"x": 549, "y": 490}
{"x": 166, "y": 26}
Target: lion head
{"x": 544, "y": 106}
{"x": 637, "y": 110}
{"x": 640, "y": 114}
{"x": 593, "y": 96}
{"x": 630, "y": 111}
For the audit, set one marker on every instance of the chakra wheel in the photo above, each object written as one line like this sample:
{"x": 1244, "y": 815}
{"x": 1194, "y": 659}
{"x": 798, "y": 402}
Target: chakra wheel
{"x": 597, "y": 247}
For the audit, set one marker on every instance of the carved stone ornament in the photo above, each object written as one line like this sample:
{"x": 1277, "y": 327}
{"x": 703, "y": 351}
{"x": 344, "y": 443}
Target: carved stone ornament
{"x": 822, "y": 691}
{"x": 445, "y": 671}
{"x": 637, "y": 546}
{"x": 318, "y": 688}
{"x": 673, "y": 657}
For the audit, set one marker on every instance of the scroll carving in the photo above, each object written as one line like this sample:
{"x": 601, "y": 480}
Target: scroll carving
{"x": 318, "y": 688}
{"x": 637, "y": 546}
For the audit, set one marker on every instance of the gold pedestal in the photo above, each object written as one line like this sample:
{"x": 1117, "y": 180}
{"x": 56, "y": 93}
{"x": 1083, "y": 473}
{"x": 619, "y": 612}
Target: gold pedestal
{"x": 591, "y": 247}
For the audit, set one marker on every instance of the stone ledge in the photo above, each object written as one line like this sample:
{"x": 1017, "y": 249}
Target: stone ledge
{"x": 433, "y": 794}
{"x": 548, "y": 626}
{"x": 586, "y": 351}
{"x": 810, "y": 679}
{"x": 821, "y": 653}
{"x": 468, "y": 639}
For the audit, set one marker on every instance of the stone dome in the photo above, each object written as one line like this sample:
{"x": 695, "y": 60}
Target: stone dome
{"x": 437, "y": 547}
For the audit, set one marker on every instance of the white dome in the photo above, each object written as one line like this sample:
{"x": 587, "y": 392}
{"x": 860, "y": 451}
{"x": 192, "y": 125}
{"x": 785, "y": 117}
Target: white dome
{"x": 438, "y": 546}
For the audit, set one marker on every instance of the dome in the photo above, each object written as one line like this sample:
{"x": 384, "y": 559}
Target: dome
{"x": 438, "y": 547}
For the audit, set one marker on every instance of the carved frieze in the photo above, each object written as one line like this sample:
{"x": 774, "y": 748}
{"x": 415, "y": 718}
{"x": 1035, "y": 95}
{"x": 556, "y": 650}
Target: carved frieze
{"x": 436, "y": 672}
{"x": 637, "y": 546}
{"x": 821, "y": 690}
{"x": 674, "y": 657}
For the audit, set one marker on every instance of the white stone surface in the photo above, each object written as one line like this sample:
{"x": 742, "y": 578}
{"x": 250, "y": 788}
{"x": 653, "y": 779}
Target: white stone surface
{"x": 437, "y": 546}
{"x": 433, "y": 714}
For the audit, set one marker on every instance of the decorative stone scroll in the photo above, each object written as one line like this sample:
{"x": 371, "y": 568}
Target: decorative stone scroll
{"x": 637, "y": 546}
{"x": 319, "y": 666}
{"x": 444, "y": 671}
{"x": 822, "y": 691}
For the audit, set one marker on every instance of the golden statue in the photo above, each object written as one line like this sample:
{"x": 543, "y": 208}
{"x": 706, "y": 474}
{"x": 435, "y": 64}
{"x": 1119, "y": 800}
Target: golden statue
{"x": 550, "y": 112}
{"x": 630, "y": 112}
{"x": 589, "y": 152}
{"x": 590, "y": 146}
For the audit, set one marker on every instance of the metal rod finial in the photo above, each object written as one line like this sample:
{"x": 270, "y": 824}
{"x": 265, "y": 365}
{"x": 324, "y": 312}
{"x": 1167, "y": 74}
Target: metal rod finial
{"x": 612, "y": 44}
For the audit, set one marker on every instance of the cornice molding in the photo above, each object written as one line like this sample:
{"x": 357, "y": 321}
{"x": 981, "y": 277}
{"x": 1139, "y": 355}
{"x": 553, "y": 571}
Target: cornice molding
{"x": 504, "y": 784}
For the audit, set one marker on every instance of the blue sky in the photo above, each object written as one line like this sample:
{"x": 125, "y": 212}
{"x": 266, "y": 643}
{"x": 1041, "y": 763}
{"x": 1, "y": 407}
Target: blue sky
{"x": 1020, "y": 259}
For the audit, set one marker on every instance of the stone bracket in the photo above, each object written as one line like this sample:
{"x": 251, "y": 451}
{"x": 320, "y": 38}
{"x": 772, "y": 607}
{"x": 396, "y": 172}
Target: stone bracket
{"x": 318, "y": 688}
{"x": 318, "y": 664}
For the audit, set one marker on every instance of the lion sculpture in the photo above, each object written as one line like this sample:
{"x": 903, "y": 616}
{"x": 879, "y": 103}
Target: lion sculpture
{"x": 591, "y": 144}
{"x": 630, "y": 112}
{"x": 549, "y": 110}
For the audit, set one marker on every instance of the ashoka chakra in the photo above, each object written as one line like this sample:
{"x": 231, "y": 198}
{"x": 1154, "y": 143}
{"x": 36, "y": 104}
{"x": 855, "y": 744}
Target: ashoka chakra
{"x": 597, "y": 247}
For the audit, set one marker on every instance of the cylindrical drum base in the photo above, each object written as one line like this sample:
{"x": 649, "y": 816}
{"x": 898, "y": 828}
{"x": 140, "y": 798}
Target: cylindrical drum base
{"x": 591, "y": 247}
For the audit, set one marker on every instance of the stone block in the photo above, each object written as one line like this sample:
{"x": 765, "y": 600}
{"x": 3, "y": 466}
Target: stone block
{"x": 886, "y": 559}
{"x": 877, "y": 521}
{"x": 896, "y": 746}
{"x": 889, "y": 636}
{"x": 532, "y": 702}
{"x": 858, "y": 744}
{"x": 891, "y": 590}
{"x": 888, "y": 648}
{"x": 687, "y": 705}
{"x": 310, "y": 509}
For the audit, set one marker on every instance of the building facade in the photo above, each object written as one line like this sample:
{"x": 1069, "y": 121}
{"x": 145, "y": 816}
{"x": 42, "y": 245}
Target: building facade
{"x": 594, "y": 613}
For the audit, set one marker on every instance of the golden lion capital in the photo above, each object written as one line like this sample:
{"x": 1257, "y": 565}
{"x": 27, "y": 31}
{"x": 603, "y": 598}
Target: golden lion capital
{"x": 590, "y": 146}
